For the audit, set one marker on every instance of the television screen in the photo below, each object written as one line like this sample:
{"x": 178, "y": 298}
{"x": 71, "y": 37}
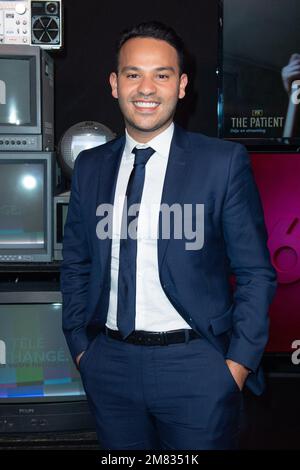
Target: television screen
{"x": 16, "y": 96}
{"x": 85, "y": 142}
{"x": 26, "y": 185}
{"x": 34, "y": 357}
{"x": 22, "y": 205}
{"x": 260, "y": 70}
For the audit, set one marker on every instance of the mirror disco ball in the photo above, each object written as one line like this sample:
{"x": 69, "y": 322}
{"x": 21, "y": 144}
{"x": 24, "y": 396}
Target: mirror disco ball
{"x": 81, "y": 136}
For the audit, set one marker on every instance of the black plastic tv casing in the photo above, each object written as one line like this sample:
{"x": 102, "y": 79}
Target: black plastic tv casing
{"x": 59, "y": 201}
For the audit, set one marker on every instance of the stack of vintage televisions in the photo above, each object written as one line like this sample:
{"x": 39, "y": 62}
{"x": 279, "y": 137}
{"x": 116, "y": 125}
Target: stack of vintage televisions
{"x": 27, "y": 156}
{"x": 40, "y": 388}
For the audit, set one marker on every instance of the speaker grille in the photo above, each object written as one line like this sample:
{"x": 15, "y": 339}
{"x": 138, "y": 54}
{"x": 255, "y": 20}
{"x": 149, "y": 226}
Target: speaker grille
{"x": 45, "y": 30}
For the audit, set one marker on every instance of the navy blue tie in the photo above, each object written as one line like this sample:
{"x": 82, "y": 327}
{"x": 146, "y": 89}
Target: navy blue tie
{"x": 128, "y": 245}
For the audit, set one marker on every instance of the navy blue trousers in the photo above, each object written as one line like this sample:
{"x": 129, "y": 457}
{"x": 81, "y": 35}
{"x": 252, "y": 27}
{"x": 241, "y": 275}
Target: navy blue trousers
{"x": 180, "y": 396}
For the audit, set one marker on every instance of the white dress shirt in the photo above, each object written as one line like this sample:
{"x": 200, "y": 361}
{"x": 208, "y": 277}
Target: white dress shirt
{"x": 154, "y": 312}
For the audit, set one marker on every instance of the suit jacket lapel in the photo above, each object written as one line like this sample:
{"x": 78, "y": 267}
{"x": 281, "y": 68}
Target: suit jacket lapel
{"x": 175, "y": 180}
{"x": 108, "y": 175}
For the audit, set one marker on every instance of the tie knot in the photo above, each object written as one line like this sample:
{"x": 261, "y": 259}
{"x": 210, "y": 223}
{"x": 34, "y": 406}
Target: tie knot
{"x": 142, "y": 155}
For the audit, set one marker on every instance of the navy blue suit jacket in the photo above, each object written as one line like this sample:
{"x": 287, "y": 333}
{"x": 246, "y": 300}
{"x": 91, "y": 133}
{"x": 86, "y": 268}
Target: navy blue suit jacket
{"x": 201, "y": 170}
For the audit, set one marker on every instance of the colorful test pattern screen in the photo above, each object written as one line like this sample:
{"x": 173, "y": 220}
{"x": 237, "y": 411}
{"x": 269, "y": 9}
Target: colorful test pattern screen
{"x": 34, "y": 357}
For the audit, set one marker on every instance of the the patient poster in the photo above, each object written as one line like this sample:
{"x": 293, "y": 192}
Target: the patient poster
{"x": 260, "y": 65}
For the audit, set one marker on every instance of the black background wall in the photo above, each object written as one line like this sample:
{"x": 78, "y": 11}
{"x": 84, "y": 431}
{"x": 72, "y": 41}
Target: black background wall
{"x": 82, "y": 91}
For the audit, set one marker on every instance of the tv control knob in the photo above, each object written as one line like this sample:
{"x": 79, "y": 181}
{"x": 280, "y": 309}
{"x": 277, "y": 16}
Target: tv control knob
{"x": 25, "y": 40}
{"x": 20, "y": 8}
{"x": 51, "y": 8}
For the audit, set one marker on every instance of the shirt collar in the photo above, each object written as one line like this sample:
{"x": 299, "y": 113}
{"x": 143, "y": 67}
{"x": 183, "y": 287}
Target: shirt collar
{"x": 161, "y": 143}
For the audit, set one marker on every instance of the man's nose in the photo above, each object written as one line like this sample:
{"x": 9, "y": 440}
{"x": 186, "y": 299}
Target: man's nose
{"x": 147, "y": 86}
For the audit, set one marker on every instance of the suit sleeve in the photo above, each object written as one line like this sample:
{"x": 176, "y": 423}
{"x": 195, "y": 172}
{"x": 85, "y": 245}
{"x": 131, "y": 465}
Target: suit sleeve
{"x": 75, "y": 272}
{"x": 246, "y": 244}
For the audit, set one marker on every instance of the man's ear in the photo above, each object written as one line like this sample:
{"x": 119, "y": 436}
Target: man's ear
{"x": 183, "y": 81}
{"x": 113, "y": 80}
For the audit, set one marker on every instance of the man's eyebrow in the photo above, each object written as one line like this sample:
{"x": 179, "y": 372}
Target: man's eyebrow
{"x": 137, "y": 69}
{"x": 130, "y": 67}
{"x": 162, "y": 69}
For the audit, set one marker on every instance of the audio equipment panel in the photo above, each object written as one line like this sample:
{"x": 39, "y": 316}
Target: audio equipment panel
{"x": 15, "y": 22}
{"x": 36, "y": 23}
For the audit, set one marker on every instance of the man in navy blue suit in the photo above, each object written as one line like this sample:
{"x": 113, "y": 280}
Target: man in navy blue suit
{"x": 158, "y": 221}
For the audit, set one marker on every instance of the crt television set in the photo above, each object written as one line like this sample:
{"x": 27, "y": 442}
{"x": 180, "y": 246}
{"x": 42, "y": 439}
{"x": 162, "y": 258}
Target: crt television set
{"x": 26, "y": 195}
{"x": 40, "y": 387}
{"x": 61, "y": 204}
{"x": 26, "y": 99}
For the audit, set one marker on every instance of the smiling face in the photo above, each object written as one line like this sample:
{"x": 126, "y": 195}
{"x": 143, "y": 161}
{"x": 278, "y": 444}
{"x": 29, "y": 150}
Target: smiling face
{"x": 148, "y": 86}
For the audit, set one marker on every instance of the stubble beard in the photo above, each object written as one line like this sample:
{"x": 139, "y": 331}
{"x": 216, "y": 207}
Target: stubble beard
{"x": 163, "y": 122}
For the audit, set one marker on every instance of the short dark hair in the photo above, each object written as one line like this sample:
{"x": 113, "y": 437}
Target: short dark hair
{"x": 155, "y": 30}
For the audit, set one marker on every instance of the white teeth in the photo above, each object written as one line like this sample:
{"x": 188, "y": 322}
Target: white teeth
{"x": 143, "y": 104}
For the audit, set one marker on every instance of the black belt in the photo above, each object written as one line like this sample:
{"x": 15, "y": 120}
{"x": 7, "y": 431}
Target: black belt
{"x": 152, "y": 338}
